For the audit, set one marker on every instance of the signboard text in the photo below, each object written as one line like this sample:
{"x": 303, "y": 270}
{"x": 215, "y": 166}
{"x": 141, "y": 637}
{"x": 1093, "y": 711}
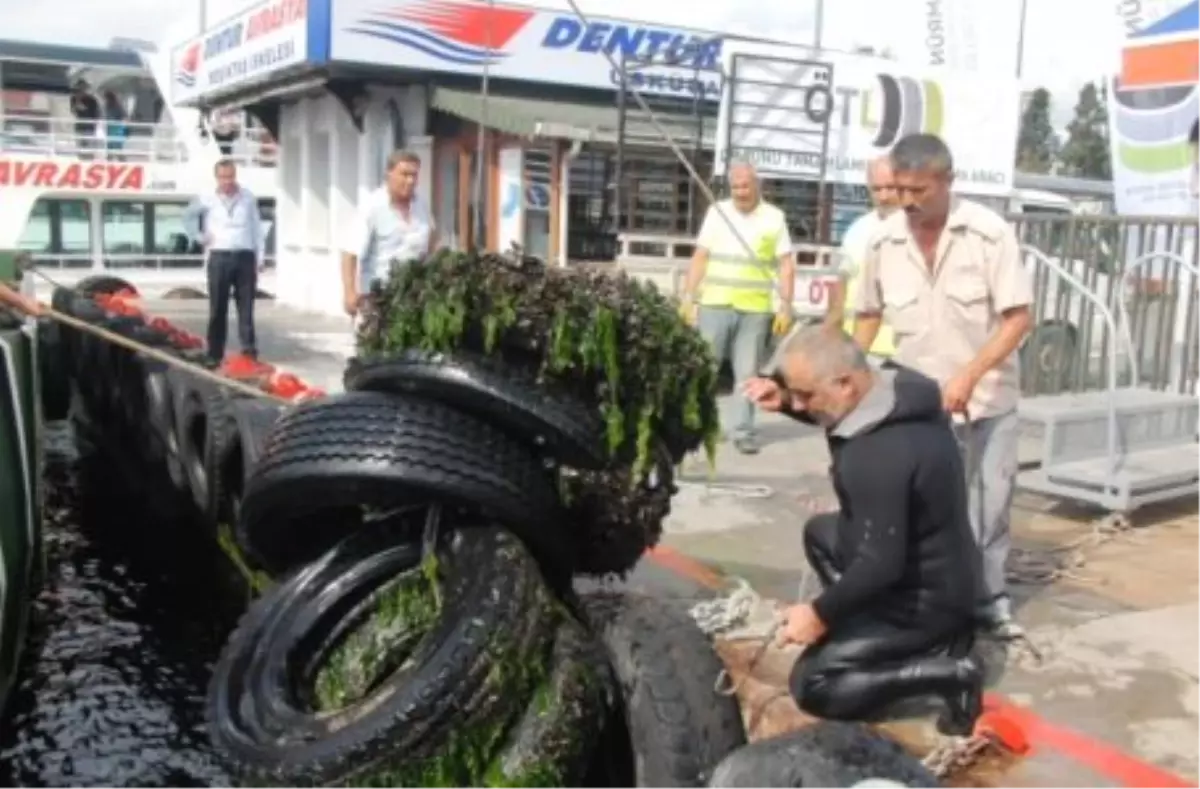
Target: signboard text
{"x": 71, "y": 175}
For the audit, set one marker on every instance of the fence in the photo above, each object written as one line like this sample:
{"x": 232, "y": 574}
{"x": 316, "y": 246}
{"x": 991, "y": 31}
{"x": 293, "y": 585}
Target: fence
{"x": 1067, "y": 350}
{"x": 44, "y": 135}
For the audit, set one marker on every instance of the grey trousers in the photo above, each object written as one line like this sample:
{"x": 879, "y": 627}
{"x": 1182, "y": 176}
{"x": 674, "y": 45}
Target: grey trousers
{"x": 741, "y": 338}
{"x": 990, "y": 454}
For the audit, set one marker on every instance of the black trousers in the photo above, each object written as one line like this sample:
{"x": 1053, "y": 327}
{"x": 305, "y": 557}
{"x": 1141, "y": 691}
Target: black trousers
{"x": 236, "y": 271}
{"x": 864, "y": 665}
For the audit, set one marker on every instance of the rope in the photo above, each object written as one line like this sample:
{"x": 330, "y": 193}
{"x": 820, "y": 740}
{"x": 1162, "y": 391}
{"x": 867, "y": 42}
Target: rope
{"x": 722, "y": 615}
{"x": 954, "y": 754}
{"x": 735, "y": 490}
{"x": 153, "y": 353}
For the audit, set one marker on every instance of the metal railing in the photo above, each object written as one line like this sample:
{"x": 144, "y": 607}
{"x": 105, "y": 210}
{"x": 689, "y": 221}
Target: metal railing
{"x": 45, "y": 135}
{"x": 1069, "y": 347}
{"x": 664, "y": 260}
{"x": 1157, "y": 300}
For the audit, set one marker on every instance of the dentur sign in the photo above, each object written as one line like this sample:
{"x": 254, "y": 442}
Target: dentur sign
{"x": 24, "y": 173}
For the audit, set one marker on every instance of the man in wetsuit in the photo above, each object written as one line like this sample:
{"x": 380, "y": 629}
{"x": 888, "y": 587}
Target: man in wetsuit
{"x": 898, "y": 563}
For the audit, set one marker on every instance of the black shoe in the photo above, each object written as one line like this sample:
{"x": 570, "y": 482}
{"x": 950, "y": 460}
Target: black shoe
{"x": 964, "y": 705}
{"x": 209, "y": 363}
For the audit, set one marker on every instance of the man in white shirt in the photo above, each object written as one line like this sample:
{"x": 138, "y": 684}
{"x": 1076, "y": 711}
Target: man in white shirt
{"x": 393, "y": 227}
{"x": 854, "y": 249}
{"x": 743, "y": 257}
{"x": 227, "y": 224}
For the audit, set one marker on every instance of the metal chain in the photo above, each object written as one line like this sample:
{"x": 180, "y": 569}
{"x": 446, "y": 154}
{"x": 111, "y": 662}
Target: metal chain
{"x": 955, "y": 754}
{"x": 723, "y": 614}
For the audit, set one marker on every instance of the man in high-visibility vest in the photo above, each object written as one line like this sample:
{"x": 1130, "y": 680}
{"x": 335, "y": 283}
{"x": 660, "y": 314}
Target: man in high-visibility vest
{"x": 743, "y": 258}
{"x": 854, "y": 247}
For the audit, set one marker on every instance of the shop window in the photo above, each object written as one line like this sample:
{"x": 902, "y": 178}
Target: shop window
{"x": 538, "y": 177}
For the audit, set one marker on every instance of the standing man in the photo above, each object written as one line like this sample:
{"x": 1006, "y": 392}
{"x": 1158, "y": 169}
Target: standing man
{"x": 393, "y": 227}
{"x": 232, "y": 237}
{"x": 947, "y": 272}
{"x": 854, "y": 249}
{"x": 86, "y": 110}
{"x": 737, "y": 284}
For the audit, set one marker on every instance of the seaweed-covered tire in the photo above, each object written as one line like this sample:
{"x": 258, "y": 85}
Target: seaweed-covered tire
{"x": 327, "y": 459}
{"x": 235, "y": 454}
{"x": 827, "y": 753}
{"x": 102, "y": 284}
{"x": 559, "y": 425}
{"x": 203, "y": 422}
{"x": 680, "y": 728}
{"x": 463, "y": 675}
{"x": 558, "y": 734}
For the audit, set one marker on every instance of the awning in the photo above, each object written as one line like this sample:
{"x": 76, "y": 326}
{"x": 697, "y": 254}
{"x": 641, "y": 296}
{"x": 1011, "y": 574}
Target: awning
{"x": 1166, "y": 53}
{"x": 563, "y": 120}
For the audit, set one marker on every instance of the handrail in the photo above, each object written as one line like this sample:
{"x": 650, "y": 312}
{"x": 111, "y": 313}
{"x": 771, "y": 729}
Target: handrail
{"x": 24, "y": 132}
{"x": 1107, "y": 315}
{"x": 1123, "y": 312}
{"x": 131, "y": 262}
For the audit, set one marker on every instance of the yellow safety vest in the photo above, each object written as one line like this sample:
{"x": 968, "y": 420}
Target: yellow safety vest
{"x": 742, "y": 282}
{"x": 885, "y": 340}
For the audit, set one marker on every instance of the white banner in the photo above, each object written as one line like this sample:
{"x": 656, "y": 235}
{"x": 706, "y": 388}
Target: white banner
{"x": 964, "y": 35}
{"x": 776, "y": 99}
{"x": 1148, "y": 129}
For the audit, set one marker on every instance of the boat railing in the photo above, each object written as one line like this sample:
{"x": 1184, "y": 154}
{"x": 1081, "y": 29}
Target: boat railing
{"x": 31, "y": 133}
{"x": 127, "y": 262}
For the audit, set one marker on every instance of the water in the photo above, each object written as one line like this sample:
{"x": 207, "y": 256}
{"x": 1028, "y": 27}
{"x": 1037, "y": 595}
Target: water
{"x": 123, "y": 637}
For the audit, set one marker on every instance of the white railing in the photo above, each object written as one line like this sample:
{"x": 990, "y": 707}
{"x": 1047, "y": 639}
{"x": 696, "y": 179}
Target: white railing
{"x": 44, "y": 135}
{"x": 152, "y": 262}
{"x": 664, "y": 261}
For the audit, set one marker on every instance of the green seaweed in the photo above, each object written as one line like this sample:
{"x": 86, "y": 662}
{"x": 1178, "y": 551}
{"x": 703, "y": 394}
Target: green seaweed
{"x": 617, "y": 342}
{"x": 256, "y": 580}
{"x": 406, "y": 609}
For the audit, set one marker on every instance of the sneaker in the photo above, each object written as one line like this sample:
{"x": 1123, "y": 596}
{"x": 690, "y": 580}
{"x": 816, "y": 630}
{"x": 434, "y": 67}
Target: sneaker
{"x": 747, "y": 445}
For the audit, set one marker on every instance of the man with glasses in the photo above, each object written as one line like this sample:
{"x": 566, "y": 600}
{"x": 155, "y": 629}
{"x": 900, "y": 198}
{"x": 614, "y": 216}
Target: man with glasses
{"x": 898, "y": 562}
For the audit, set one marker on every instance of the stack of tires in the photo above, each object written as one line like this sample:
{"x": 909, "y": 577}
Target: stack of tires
{"x": 203, "y": 437}
{"x": 425, "y": 629}
{"x": 422, "y": 625}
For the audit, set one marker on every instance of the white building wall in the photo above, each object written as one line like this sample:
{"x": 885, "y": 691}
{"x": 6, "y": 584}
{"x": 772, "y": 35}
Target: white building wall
{"x": 325, "y": 168}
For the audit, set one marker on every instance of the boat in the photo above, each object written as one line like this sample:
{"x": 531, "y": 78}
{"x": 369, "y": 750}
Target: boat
{"x": 86, "y": 205}
{"x": 20, "y": 484}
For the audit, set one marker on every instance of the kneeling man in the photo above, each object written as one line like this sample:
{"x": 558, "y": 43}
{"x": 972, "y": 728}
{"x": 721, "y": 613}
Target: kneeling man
{"x": 898, "y": 563}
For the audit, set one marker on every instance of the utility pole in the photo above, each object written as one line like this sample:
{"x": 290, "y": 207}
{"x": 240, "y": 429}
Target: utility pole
{"x": 819, "y": 25}
{"x": 1021, "y": 39}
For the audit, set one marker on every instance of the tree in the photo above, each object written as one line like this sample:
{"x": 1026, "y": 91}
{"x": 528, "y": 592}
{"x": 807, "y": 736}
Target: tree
{"x": 1036, "y": 142}
{"x": 1086, "y": 153}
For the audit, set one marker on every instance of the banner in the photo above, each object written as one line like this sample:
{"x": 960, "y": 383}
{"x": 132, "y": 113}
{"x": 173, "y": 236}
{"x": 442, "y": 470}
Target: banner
{"x": 1148, "y": 129}
{"x": 777, "y": 105}
{"x": 964, "y": 35}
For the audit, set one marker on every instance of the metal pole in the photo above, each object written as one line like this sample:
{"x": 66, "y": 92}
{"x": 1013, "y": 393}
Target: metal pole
{"x": 481, "y": 138}
{"x": 1021, "y": 39}
{"x": 819, "y": 24}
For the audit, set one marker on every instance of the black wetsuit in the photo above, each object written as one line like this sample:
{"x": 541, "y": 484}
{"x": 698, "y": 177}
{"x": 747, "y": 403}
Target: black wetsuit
{"x": 898, "y": 562}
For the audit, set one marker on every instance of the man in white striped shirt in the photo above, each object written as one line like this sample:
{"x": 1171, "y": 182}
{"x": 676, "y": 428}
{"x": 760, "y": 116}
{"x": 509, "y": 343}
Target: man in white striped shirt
{"x": 227, "y": 224}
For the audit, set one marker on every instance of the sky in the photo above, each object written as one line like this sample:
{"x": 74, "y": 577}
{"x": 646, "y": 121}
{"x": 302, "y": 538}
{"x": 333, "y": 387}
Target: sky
{"x": 1061, "y": 67}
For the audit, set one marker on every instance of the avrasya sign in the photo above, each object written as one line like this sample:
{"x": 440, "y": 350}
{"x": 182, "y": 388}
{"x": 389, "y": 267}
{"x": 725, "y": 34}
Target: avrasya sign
{"x": 66, "y": 175}
{"x": 777, "y": 106}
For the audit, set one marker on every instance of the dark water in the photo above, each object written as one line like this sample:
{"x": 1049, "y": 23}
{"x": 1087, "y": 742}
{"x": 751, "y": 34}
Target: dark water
{"x": 124, "y": 633}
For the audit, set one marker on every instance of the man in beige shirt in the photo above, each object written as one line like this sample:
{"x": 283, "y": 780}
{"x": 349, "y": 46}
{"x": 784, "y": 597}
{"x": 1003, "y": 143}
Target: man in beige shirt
{"x": 947, "y": 274}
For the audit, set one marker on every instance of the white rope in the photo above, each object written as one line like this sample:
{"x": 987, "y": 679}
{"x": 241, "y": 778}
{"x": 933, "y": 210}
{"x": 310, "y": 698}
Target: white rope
{"x": 735, "y": 612}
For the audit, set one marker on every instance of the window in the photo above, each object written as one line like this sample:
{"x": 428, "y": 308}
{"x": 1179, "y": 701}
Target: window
{"x": 123, "y": 228}
{"x": 266, "y": 211}
{"x": 539, "y": 173}
{"x": 170, "y": 236}
{"x": 59, "y": 228}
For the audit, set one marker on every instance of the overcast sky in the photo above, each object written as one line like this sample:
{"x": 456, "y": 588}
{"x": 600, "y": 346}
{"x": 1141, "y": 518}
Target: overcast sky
{"x": 1049, "y": 60}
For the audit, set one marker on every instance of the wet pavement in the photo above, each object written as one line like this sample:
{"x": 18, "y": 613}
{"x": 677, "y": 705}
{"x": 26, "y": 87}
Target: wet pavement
{"x": 125, "y": 640}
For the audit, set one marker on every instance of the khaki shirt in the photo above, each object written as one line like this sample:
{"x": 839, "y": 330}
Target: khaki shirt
{"x": 942, "y": 319}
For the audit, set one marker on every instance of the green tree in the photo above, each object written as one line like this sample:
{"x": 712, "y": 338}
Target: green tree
{"x": 1086, "y": 153}
{"x": 1036, "y": 143}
